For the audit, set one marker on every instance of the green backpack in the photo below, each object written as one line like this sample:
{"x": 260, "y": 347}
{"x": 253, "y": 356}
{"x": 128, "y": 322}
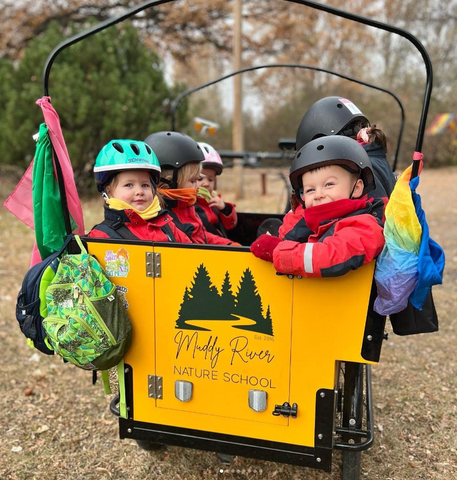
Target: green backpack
{"x": 87, "y": 323}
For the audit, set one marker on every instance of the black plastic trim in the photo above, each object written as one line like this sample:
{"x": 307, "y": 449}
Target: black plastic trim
{"x": 196, "y": 246}
{"x": 229, "y": 444}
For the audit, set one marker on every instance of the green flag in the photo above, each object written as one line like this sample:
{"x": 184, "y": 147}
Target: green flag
{"x": 47, "y": 206}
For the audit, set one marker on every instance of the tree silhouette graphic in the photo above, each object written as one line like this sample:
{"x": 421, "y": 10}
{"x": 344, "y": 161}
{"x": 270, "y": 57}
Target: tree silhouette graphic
{"x": 227, "y": 302}
{"x": 249, "y": 305}
{"x": 203, "y": 302}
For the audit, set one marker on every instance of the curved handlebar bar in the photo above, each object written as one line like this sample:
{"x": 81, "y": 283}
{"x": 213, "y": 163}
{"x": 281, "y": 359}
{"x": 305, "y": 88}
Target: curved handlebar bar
{"x": 318, "y": 6}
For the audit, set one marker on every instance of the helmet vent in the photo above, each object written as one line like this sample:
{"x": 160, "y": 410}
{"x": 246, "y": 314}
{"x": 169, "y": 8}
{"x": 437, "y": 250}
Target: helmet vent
{"x": 339, "y": 105}
{"x": 118, "y": 147}
{"x": 135, "y": 148}
{"x": 168, "y": 133}
{"x": 320, "y": 147}
{"x": 148, "y": 148}
{"x": 298, "y": 154}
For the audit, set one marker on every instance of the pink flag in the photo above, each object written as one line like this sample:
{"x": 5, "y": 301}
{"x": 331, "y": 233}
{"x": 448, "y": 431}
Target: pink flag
{"x": 20, "y": 203}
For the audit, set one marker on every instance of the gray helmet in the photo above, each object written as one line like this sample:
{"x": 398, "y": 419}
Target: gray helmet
{"x": 334, "y": 150}
{"x": 174, "y": 150}
{"x": 329, "y": 116}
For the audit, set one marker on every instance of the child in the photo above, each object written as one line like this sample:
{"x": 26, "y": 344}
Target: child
{"x": 217, "y": 216}
{"x": 332, "y": 176}
{"x": 126, "y": 173}
{"x": 339, "y": 116}
{"x": 374, "y": 142}
{"x": 180, "y": 157}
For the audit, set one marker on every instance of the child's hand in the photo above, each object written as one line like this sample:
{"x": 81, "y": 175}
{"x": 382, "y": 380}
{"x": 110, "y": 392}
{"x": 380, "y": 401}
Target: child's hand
{"x": 263, "y": 247}
{"x": 217, "y": 202}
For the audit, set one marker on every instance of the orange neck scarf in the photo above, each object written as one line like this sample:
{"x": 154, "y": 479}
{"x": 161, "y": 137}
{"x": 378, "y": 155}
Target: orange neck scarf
{"x": 186, "y": 195}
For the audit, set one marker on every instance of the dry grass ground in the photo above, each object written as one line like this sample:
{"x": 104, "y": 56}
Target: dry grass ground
{"x": 64, "y": 430}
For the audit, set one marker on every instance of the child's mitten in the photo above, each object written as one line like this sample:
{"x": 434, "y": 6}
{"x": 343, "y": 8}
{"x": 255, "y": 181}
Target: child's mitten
{"x": 263, "y": 247}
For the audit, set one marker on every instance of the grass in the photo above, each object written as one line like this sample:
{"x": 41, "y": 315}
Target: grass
{"x": 56, "y": 425}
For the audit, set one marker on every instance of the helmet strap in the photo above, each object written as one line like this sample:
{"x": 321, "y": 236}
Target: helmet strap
{"x": 175, "y": 178}
{"x": 299, "y": 198}
{"x": 355, "y": 184}
{"x": 170, "y": 183}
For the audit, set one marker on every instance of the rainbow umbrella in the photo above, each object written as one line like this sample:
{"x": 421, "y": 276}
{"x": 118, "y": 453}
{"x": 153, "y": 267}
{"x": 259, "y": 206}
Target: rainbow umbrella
{"x": 410, "y": 262}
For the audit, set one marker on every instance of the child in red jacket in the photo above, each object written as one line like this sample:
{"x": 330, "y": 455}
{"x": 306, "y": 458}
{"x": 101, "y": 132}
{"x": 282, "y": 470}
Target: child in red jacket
{"x": 126, "y": 173}
{"x": 217, "y": 216}
{"x": 331, "y": 176}
{"x": 180, "y": 157}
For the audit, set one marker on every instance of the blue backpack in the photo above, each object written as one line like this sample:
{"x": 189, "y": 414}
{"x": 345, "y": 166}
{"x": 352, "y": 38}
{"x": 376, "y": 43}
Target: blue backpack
{"x": 31, "y": 300}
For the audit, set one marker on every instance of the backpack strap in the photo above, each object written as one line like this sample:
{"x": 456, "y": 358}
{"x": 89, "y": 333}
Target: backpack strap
{"x": 166, "y": 229}
{"x": 115, "y": 229}
{"x": 220, "y": 225}
{"x": 215, "y": 230}
{"x": 122, "y": 399}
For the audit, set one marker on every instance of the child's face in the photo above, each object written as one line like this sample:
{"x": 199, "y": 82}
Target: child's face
{"x": 133, "y": 187}
{"x": 191, "y": 183}
{"x": 207, "y": 179}
{"x": 328, "y": 184}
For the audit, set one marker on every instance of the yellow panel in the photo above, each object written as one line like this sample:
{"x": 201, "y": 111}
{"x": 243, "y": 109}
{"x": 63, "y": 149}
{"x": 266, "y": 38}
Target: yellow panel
{"x": 316, "y": 322}
{"x": 329, "y": 316}
{"x": 235, "y": 350}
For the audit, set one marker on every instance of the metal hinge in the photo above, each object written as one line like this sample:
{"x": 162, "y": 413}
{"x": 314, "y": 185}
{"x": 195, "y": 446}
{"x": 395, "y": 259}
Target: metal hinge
{"x": 155, "y": 387}
{"x": 153, "y": 265}
{"x": 286, "y": 410}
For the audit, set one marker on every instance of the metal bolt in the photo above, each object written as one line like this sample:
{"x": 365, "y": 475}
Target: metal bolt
{"x": 352, "y": 422}
{"x": 129, "y": 430}
{"x": 299, "y": 277}
{"x": 151, "y": 395}
{"x": 351, "y": 441}
{"x": 369, "y": 338}
{"x": 126, "y": 370}
{"x": 148, "y": 254}
{"x": 322, "y": 394}
{"x": 320, "y": 436}
{"x": 318, "y": 460}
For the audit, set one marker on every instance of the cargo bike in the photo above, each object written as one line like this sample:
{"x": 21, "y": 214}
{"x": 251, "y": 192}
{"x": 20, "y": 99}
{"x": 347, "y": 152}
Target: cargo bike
{"x": 228, "y": 356}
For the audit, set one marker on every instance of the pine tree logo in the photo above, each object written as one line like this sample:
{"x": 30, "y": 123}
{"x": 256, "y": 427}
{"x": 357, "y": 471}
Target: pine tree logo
{"x": 202, "y": 301}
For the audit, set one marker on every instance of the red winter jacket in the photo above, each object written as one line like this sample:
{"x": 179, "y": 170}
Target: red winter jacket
{"x": 342, "y": 236}
{"x": 214, "y": 220}
{"x": 189, "y": 222}
{"x": 129, "y": 225}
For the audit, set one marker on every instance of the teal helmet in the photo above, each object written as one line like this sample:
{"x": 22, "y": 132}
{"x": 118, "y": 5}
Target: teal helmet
{"x": 119, "y": 155}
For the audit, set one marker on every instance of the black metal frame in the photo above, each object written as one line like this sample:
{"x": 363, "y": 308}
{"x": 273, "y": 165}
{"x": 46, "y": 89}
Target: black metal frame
{"x": 357, "y": 433}
{"x": 177, "y": 101}
{"x": 317, "y": 6}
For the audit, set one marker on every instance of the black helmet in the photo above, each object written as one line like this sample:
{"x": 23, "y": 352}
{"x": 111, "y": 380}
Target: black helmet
{"x": 335, "y": 150}
{"x": 329, "y": 116}
{"x": 174, "y": 150}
